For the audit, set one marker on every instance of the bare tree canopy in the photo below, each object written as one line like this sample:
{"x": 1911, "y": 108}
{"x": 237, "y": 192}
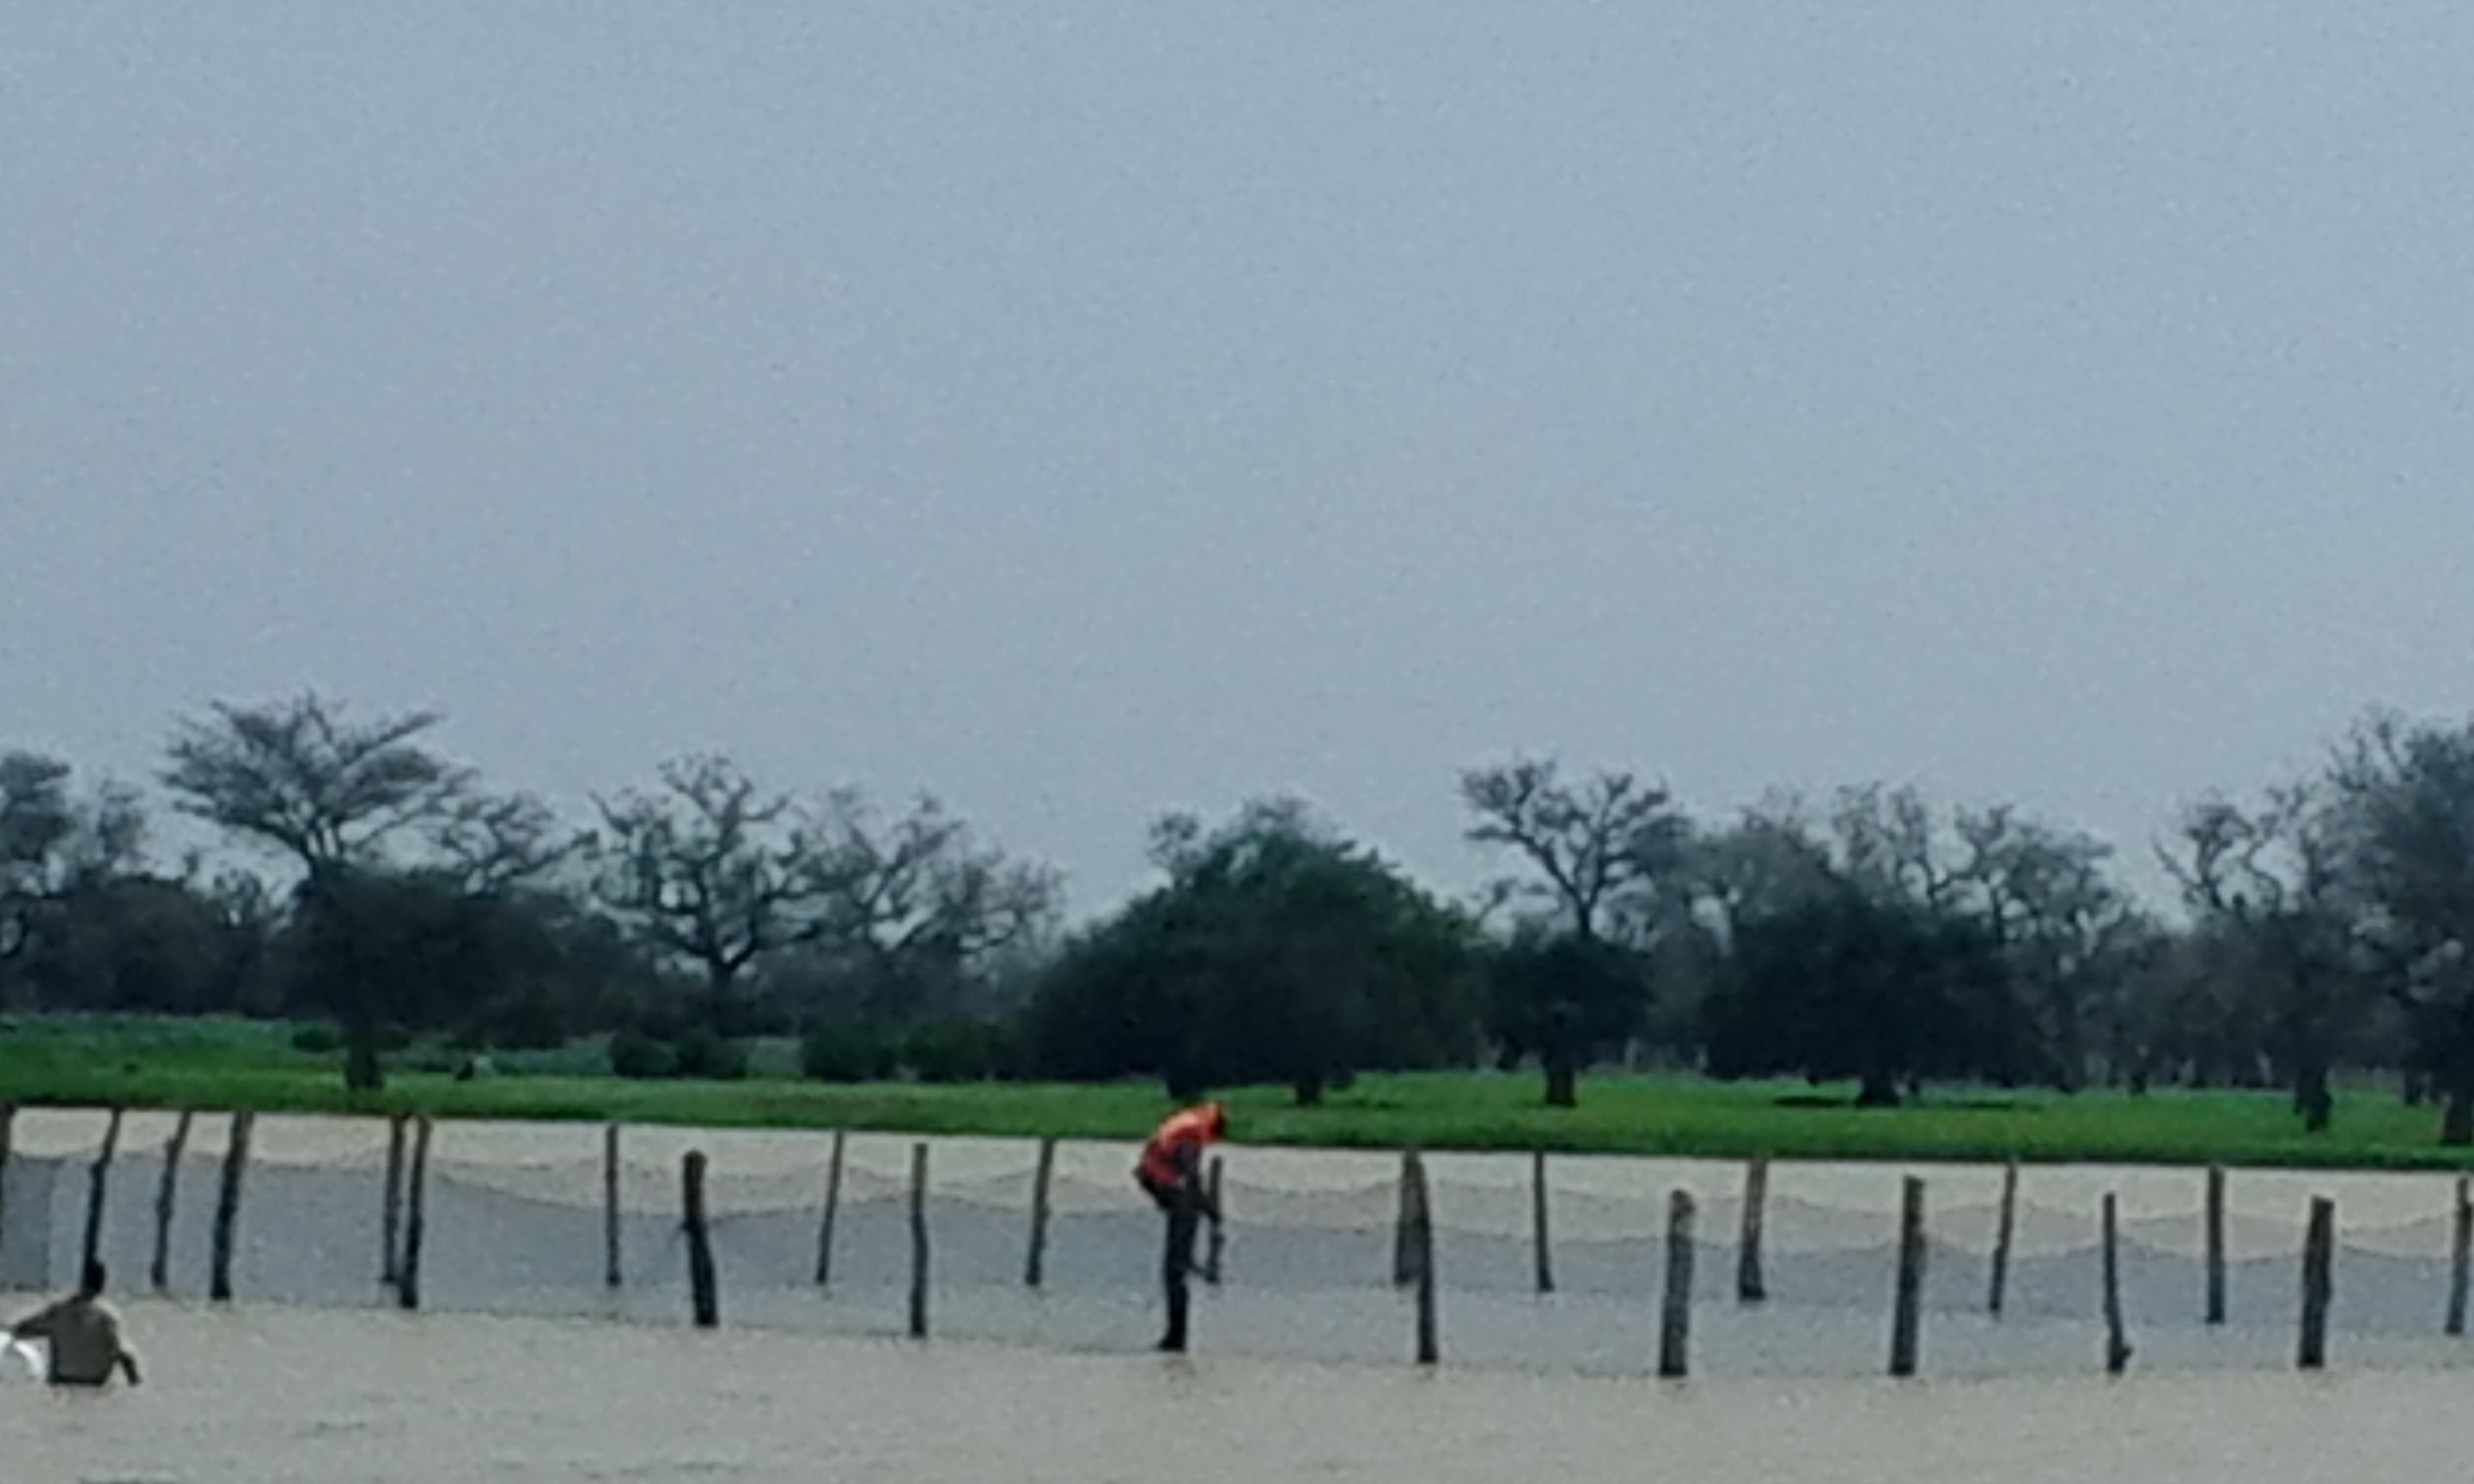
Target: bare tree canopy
{"x": 1601, "y": 846}
{"x": 920, "y": 900}
{"x": 297, "y": 776}
{"x": 714, "y": 870}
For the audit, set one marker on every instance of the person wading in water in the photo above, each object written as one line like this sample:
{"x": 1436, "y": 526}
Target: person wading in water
{"x": 83, "y": 1335}
{"x": 1170, "y": 1172}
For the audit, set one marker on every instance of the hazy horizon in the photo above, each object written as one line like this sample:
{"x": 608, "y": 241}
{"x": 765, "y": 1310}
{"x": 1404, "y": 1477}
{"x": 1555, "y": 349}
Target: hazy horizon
{"x": 1088, "y": 411}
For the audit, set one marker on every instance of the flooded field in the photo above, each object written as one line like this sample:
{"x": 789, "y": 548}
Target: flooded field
{"x": 273, "y": 1394}
{"x": 516, "y": 1227}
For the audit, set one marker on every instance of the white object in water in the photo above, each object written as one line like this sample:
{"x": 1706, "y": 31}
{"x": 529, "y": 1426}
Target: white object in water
{"x": 26, "y": 1352}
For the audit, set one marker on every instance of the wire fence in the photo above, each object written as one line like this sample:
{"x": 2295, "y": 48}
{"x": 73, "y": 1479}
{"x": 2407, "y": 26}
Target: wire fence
{"x": 1560, "y": 1263}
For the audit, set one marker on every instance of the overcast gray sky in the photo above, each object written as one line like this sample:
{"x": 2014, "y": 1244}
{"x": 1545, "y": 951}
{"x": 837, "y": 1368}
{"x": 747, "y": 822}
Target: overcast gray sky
{"x": 1083, "y": 409}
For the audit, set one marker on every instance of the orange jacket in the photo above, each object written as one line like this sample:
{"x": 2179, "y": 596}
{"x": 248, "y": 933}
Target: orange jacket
{"x": 1175, "y": 1149}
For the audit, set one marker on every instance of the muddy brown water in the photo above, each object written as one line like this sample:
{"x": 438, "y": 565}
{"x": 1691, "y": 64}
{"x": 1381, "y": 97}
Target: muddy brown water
{"x": 275, "y": 1393}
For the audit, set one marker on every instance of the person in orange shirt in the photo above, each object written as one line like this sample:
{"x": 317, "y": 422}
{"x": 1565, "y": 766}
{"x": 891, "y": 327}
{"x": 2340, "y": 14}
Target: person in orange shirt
{"x": 1170, "y": 1172}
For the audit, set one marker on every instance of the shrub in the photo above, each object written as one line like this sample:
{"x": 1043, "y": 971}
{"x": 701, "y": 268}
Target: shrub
{"x": 634, "y": 1054}
{"x": 703, "y": 1053}
{"x": 837, "y": 1051}
{"x": 318, "y": 1039}
{"x": 959, "y": 1051}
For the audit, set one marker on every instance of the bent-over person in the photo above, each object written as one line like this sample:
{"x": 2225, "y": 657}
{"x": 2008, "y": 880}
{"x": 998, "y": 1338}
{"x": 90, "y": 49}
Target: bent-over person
{"x": 1170, "y": 1172}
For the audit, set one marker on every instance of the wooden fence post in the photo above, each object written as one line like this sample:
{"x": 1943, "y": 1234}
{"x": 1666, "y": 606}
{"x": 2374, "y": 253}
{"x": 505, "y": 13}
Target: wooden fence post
{"x": 1749, "y": 1286}
{"x": 218, "y": 1287}
{"x": 416, "y": 1220}
{"x": 2215, "y": 1244}
{"x": 2005, "y": 1225}
{"x": 98, "y": 1183}
{"x": 158, "y": 1273}
{"x": 1675, "y": 1317}
{"x": 1537, "y": 1221}
{"x": 703, "y": 1296}
{"x": 1218, "y": 1250}
{"x": 833, "y": 1200}
{"x": 1421, "y": 1219}
{"x": 919, "y": 1241}
{"x": 1404, "y": 1233}
{"x": 1034, "y": 1264}
{"x": 8, "y": 1133}
{"x": 391, "y": 1206}
{"x": 1907, "y": 1316}
{"x": 2460, "y": 1241}
{"x": 2319, "y": 1250}
{"x": 2117, "y": 1346}
{"x": 614, "y": 1271}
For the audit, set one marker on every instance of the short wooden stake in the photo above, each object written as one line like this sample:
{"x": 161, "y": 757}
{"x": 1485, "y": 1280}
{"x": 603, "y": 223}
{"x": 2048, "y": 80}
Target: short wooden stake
{"x": 2460, "y": 1242}
{"x": 919, "y": 1241}
{"x": 1421, "y": 1236}
{"x": 1218, "y": 1247}
{"x": 98, "y": 1183}
{"x": 1907, "y": 1316}
{"x": 158, "y": 1273}
{"x": 2319, "y": 1252}
{"x": 1537, "y": 1222}
{"x": 1035, "y": 1260}
{"x": 416, "y": 1220}
{"x": 391, "y": 1206}
{"x": 833, "y": 1202}
{"x": 218, "y": 1287}
{"x": 1675, "y": 1317}
{"x": 704, "y": 1297}
{"x": 2215, "y": 1244}
{"x": 1749, "y": 1287}
{"x": 2117, "y": 1346}
{"x": 2005, "y": 1225}
{"x": 614, "y": 1272}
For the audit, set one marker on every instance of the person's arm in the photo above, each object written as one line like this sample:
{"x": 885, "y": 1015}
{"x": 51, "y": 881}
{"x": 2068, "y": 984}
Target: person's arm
{"x": 127, "y": 1360}
{"x": 37, "y": 1326}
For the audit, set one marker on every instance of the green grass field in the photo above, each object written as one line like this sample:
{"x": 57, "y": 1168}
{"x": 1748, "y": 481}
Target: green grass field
{"x": 220, "y": 1065}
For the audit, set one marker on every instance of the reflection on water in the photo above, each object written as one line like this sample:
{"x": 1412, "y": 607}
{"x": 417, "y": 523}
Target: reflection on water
{"x": 270, "y": 1394}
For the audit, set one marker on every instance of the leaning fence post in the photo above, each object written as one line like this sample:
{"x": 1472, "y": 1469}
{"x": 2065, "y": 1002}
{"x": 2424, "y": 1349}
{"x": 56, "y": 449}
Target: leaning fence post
{"x": 1749, "y": 1286}
{"x": 2117, "y": 1346}
{"x": 1907, "y": 1316}
{"x": 1421, "y": 1238}
{"x": 833, "y": 1200}
{"x": 1035, "y": 1261}
{"x": 919, "y": 1241}
{"x": 2319, "y": 1248}
{"x": 2460, "y": 1241}
{"x": 2005, "y": 1226}
{"x": 227, "y": 1207}
{"x": 2216, "y": 1242}
{"x": 1675, "y": 1318}
{"x": 703, "y": 1298}
{"x": 1537, "y": 1221}
{"x": 98, "y": 1182}
{"x": 158, "y": 1273}
{"x": 391, "y": 1206}
{"x": 416, "y": 1220}
{"x": 614, "y": 1273}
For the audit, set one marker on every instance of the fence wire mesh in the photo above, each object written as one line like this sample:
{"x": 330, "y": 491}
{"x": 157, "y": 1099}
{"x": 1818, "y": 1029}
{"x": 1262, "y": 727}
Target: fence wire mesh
{"x": 515, "y": 1222}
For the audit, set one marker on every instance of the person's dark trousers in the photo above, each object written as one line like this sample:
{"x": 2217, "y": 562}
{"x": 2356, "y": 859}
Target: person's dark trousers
{"x": 1176, "y": 1260}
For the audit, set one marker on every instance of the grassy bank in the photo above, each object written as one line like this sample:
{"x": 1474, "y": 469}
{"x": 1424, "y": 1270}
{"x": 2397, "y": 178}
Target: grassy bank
{"x": 227, "y": 1065}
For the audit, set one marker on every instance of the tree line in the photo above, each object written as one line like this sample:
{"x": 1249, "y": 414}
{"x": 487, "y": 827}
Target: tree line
{"x": 1873, "y": 937}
